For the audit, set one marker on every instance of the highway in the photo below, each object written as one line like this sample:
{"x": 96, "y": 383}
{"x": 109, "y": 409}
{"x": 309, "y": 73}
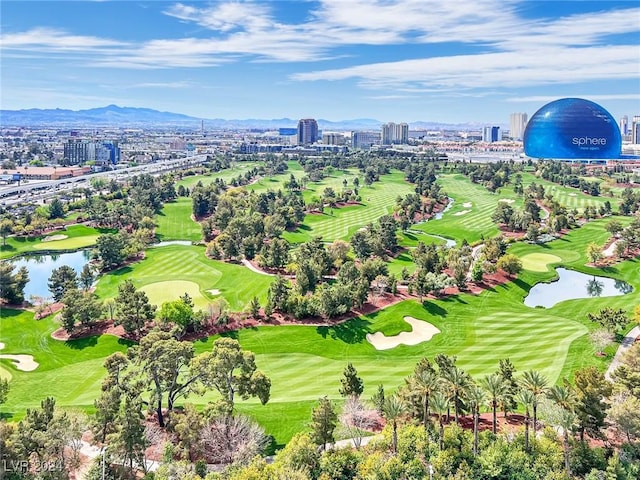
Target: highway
{"x": 37, "y": 190}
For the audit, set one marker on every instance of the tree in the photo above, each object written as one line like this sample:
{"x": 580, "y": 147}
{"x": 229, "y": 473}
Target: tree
{"x": 526, "y": 398}
{"x": 594, "y": 252}
{"x": 111, "y": 249}
{"x": 128, "y": 443}
{"x": 614, "y": 227}
{"x": 563, "y": 419}
{"x": 231, "y": 370}
{"x": 592, "y": 392}
{"x": 323, "y": 422}
{"x": 86, "y": 277}
{"x": 166, "y": 367}
{"x": 56, "y": 209}
{"x": 600, "y": 339}
{"x": 507, "y": 371}
{"x": 536, "y": 383}
{"x": 393, "y": 409}
{"x": 254, "y": 308}
{"x": 80, "y": 307}
{"x": 61, "y": 280}
{"x": 495, "y": 386}
{"x": 424, "y": 383}
{"x": 510, "y": 263}
{"x": 133, "y": 308}
{"x": 352, "y": 384}
{"x": 457, "y": 383}
{"x": 611, "y": 319}
{"x": 188, "y": 427}
{"x": 178, "y": 312}
{"x": 12, "y": 284}
{"x": 4, "y": 390}
{"x": 357, "y": 419}
{"x": 625, "y": 414}
{"x": 440, "y": 405}
{"x": 6, "y": 227}
{"x": 627, "y": 375}
{"x": 233, "y": 439}
{"x": 477, "y": 397}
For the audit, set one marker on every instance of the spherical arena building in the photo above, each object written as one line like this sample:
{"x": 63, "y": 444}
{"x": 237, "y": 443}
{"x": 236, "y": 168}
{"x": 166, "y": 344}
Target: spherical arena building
{"x": 572, "y": 129}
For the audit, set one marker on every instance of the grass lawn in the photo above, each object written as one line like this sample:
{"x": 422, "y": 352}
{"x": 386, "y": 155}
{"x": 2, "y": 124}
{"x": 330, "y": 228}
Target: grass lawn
{"x": 239, "y": 168}
{"x": 470, "y": 215}
{"x": 341, "y": 223}
{"x": 78, "y": 236}
{"x": 175, "y": 223}
{"x": 70, "y": 371}
{"x": 569, "y": 197}
{"x": 171, "y": 263}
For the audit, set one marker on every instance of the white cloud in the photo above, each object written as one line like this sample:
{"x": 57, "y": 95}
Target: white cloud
{"x": 594, "y": 96}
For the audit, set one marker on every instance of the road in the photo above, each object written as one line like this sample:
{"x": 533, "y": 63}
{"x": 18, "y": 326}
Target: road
{"x": 35, "y": 190}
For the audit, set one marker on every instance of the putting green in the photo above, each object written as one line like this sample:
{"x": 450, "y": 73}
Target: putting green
{"x": 161, "y": 292}
{"x": 537, "y": 262}
{"x": 70, "y": 243}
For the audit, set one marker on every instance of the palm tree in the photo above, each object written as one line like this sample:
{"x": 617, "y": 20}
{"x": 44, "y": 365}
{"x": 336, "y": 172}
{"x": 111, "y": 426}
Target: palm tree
{"x": 440, "y": 405}
{"x": 425, "y": 383}
{"x": 526, "y": 398}
{"x": 476, "y": 397}
{"x": 457, "y": 383}
{"x": 536, "y": 383}
{"x": 562, "y": 396}
{"x": 496, "y": 388}
{"x": 393, "y": 409}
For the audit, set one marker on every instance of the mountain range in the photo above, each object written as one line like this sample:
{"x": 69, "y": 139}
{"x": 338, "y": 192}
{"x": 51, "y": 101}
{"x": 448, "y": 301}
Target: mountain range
{"x": 115, "y": 116}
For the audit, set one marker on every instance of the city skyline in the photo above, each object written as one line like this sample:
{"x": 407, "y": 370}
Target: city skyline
{"x": 392, "y": 61}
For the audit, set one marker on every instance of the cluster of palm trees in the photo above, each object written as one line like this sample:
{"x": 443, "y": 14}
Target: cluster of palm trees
{"x": 438, "y": 391}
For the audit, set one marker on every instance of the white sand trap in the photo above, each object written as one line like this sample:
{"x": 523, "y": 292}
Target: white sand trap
{"x": 26, "y": 363}
{"x": 610, "y": 250}
{"x": 467, "y": 205}
{"x": 573, "y": 194}
{"x": 214, "y": 291}
{"x": 422, "y": 332}
{"x": 53, "y": 238}
{"x": 463, "y": 212}
{"x": 507, "y": 200}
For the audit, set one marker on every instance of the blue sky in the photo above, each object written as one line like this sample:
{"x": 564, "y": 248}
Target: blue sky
{"x": 408, "y": 60}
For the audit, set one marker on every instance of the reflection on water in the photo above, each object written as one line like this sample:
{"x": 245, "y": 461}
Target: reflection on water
{"x": 41, "y": 266}
{"x": 572, "y": 285}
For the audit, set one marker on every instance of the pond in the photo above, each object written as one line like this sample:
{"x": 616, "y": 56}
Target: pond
{"x": 572, "y": 285}
{"x": 41, "y": 266}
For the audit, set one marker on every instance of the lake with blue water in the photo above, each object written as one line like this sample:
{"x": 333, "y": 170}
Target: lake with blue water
{"x": 572, "y": 285}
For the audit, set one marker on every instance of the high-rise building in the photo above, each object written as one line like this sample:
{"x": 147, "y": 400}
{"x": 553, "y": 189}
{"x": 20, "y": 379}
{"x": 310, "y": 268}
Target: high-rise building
{"x": 77, "y": 151}
{"x": 365, "y": 140}
{"x": 395, "y": 133}
{"x": 624, "y": 125}
{"x": 517, "y": 124}
{"x": 635, "y": 130}
{"x": 333, "y": 138}
{"x": 307, "y": 131}
{"x": 491, "y": 134}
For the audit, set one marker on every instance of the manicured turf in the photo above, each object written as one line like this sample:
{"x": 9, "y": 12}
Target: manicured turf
{"x": 306, "y": 362}
{"x": 341, "y": 223}
{"x": 78, "y": 236}
{"x": 239, "y": 168}
{"x": 538, "y": 262}
{"x": 160, "y": 292}
{"x": 477, "y": 222}
{"x": 70, "y": 371}
{"x": 175, "y": 222}
{"x": 237, "y": 284}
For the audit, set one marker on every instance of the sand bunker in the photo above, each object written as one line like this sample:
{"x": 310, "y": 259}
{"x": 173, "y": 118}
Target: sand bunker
{"x": 507, "y": 200}
{"x": 26, "y": 363}
{"x": 214, "y": 291}
{"x": 573, "y": 194}
{"x": 422, "y": 332}
{"x": 53, "y": 238}
{"x": 467, "y": 205}
{"x": 463, "y": 212}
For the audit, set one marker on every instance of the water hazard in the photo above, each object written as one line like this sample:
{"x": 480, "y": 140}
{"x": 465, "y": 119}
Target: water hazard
{"x": 572, "y": 285}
